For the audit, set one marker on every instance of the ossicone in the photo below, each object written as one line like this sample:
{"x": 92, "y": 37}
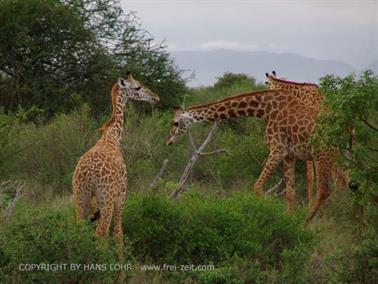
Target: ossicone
{"x": 128, "y": 75}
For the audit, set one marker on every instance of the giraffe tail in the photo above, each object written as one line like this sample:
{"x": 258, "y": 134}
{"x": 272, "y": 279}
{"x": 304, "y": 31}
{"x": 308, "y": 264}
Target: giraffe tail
{"x": 96, "y": 216}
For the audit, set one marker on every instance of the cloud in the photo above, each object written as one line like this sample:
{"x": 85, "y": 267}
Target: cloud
{"x": 278, "y": 47}
{"x": 225, "y": 44}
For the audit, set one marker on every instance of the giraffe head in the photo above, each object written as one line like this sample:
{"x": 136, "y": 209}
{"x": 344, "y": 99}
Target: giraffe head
{"x": 133, "y": 89}
{"x": 271, "y": 82}
{"x": 181, "y": 121}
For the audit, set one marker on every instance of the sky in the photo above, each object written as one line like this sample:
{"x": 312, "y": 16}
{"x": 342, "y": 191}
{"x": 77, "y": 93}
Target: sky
{"x": 322, "y": 29}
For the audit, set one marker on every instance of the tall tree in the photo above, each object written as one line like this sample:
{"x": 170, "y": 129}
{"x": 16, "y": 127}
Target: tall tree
{"x": 54, "y": 55}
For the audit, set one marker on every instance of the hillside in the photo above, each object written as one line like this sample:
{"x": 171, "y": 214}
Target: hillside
{"x": 208, "y": 65}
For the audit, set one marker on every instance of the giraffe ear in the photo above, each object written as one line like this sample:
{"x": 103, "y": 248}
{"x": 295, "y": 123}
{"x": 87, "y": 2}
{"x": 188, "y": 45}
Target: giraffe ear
{"x": 176, "y": 108}
{"x": 274, "y": 73}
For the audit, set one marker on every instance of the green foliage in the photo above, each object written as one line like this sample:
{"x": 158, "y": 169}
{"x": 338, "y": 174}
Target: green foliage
{"x": 45, "y": 154}
{"x": 55, "y": 55}
{"x": 48, "y": 234}
{"x": 365, "y": 256}
{"x": 228, "y": 79}
{"x": 46, "y": 54}
{"x": 204, "y": 230}
{"x": 351, "y": 123}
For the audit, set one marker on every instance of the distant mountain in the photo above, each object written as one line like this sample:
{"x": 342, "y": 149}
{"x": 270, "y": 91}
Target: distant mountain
{"x": 208, "y": 65}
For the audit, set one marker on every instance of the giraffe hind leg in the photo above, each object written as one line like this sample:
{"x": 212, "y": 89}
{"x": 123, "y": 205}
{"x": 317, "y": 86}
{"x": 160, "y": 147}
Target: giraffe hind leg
{"x": 81, "y": 202}
{"x": 118, "y": 205}
{"x": 310, "y": 182}
{"x": 289, "y": 173}
{"x": 105, "y": 219}
{"x": 323, "y": 169}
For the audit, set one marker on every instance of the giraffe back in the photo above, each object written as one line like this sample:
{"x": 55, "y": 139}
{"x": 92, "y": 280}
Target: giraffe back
{"x": 307, "y": 93}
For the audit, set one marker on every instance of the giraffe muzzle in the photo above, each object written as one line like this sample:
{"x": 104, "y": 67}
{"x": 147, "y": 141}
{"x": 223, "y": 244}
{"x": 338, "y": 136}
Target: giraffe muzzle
{"x": 170, "y": 141}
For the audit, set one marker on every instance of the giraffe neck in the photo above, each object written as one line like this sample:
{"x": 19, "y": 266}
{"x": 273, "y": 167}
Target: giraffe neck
{"x": 113, "y": 128}
{"x": 285, "y": 83}
{"x": 261, "y": 105}
{"x": 308, "y": 93}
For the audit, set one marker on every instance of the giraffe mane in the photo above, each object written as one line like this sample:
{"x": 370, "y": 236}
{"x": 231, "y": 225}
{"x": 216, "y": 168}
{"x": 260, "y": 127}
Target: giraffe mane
{"x": 112, "y": 118}
{"x": 292, "y": 82}
{"x": 231, "y": 98}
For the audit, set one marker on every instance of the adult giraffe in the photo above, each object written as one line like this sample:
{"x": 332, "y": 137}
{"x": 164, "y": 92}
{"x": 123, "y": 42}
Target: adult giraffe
{"x": 101, "y": 174}
{"x": 309, "y": 94}
{"x": 289, "y": 126}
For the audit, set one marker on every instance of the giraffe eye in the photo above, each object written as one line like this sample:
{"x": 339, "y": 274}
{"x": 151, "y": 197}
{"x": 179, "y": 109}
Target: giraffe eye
{"x": 138, "y": 88}
{"x": 176, "y": 124}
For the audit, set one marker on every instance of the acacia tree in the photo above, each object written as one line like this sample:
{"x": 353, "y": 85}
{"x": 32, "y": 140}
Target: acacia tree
{"x": 150, "y": 62}
{"x": 55, "y": 55}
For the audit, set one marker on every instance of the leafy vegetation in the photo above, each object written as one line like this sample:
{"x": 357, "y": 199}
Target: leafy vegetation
{"x": 58, "y": 59}
{"x": 217, "y": 222}
{"x": 197, "y": 230}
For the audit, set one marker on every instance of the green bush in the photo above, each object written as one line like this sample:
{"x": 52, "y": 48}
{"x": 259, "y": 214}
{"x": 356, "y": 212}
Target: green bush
{"x": 47, "y": 154}
{"x": 49, "y": 234}
{"x": 229, "y": 79}
{"x": 203, "y": 230}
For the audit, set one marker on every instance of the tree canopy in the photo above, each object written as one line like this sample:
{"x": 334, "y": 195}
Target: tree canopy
{"x": 350, "y": 121}
{"x": 55, "y": 55}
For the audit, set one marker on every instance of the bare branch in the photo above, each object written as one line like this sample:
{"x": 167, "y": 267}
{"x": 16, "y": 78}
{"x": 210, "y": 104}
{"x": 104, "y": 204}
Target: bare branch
{"x": 11, "y": 186}
{"x": 278, "y": 188}
{"x": 191, "y": 140}
{"x": 159, "y": 174}
{"x": 189, "y": 166}
{"x": 369, "y": 124}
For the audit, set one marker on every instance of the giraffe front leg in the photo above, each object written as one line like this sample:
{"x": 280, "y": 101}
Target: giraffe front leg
{"x": 274, "y": 159}
{"x": 310, "y": 181}
{"x": 289, "y": 174}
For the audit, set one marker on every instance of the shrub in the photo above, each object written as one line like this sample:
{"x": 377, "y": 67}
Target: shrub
{"x": 202, "y": 230}
{"x": 49, "y": 234}
{"x": 47, "y": 154}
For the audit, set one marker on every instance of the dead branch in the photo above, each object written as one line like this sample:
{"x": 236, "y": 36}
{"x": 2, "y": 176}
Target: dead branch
{"x": 159, "y": 174}
{"x": 278, "y": 189}
{"x": 197, "y": 153}
{"x": 11, "y": 187}
{"x": 369, "y": 124}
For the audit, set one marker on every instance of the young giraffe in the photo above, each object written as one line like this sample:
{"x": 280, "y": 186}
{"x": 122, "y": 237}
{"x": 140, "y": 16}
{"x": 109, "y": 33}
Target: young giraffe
{"x": 289, "y": 126}
{"x": 310, "y": 96}
{"x": 100, "y": 174}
